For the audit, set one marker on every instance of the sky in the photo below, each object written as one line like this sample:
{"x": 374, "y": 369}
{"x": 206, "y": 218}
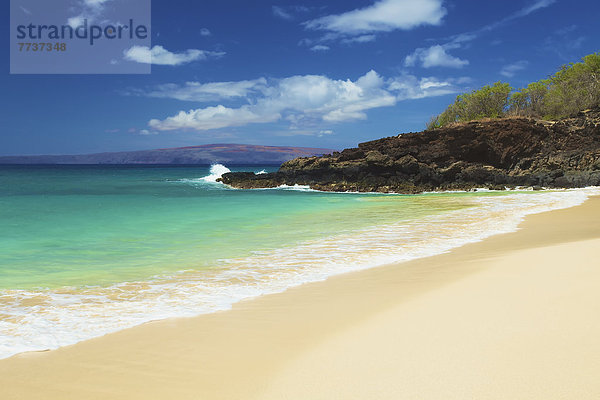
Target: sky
{"x": 295, "y": 73}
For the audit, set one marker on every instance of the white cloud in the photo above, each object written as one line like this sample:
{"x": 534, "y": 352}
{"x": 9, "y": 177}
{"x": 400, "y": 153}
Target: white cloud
{"x": 319, "y": 47}
{"x": 434, "y": 56}
{"x": 76, "y": 21}
{"x": 511, "y": 70}
{"x": 301, "y": 100}
{"x": 280, "y": 12}
{"x": 146, "y": 132}
{"x": 359, "y": 39}
{"x": 382, "y": 16}
{"x": 305, "y": 42}
{"x": 204, "y": 92}
{"x": 95, "y": 3}
{"x": 288, "y": 12}
{"x": 205, "y": 32}
{"x": 330, "y": 37}
{"x": 203, "y": 119}
{"x": 90, "y": 10}
{"x": 160, "y": 56}
{"x": 409, "y": 87}
{"x": 437, "y": 55}
{"x": 523, "y": 12}
{"x": 533, "y": 7}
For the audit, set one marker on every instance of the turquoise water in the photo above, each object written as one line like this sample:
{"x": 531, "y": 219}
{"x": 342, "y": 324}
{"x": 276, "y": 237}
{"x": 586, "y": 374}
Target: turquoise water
{"x": 70, "y": 226}
{"x": 87, "y": 250}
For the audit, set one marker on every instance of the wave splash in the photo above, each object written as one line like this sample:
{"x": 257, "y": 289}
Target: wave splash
{"x": 216, "y": 171}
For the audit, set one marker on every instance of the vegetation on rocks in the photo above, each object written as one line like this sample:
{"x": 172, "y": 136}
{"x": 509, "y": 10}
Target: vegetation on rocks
{"x": 575, "y": 87}
{"x": 487, "y": 102}
{"x": 495, "y": 154}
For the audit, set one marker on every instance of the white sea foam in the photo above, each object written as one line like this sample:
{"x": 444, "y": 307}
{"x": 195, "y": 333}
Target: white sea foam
{"x": 48, "y": 319}
{"x": 261, "y": 172}
{"x": 296, "y": 187}
{"x": 300, "y": 188}
{"x": 216, "y": 171}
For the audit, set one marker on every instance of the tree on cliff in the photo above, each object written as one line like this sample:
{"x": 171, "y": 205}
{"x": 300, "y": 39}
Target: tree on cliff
{"x": 573, "y": 88}
{"x": 529, "y": 101}
{"x": 487, "y": 102}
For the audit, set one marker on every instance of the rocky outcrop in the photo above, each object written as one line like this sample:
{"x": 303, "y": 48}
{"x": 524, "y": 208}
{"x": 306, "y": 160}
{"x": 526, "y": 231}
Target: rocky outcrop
{"x": 493, "y": 153}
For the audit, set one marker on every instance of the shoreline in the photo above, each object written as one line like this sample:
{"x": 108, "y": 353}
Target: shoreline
{"x": 374, "y": 246}
{"x": 257, "y": 348}
{"x": 472, "y": 190}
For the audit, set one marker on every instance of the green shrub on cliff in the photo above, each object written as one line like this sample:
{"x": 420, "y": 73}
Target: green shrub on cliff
{"x": 573, "y": 88}
{"x": 529, "y": 101}
{"x": 487, "y": 102}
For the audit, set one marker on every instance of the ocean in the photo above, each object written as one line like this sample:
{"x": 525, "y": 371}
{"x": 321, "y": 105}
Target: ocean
{"x": 89, "y": 250}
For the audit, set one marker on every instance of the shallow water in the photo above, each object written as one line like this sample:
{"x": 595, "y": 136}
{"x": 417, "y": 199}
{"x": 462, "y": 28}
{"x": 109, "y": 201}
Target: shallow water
{"x": 87, "y": 250}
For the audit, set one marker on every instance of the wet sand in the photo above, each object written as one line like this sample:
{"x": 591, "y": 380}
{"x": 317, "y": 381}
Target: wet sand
{"x": 514, "y": 316}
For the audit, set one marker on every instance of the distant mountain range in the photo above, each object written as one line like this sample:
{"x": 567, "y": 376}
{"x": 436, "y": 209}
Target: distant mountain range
{"x": 205, "y": 154}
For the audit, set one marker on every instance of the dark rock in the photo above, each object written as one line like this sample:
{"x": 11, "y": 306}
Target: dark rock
{"x": 494, "y": 154}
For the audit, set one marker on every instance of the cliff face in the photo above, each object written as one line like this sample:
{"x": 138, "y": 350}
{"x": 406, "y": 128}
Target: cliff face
{"x": 494, "y": 154}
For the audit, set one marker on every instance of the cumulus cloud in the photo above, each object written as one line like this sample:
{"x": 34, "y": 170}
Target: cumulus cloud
{"x": 382, "y": 16}
{"x": 205, "y": 32}
{"x": 511, "y": 70}
{"x": 216, "y": 117}
{"x": 300, "y": 100}
{"x": 160, "y": 56}
{"x": 434, "y": 56}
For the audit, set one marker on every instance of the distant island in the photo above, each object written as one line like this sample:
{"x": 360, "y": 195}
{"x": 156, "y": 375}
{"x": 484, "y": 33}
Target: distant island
{"x": 205, "y": 154}
{"x": 544, "y": 135}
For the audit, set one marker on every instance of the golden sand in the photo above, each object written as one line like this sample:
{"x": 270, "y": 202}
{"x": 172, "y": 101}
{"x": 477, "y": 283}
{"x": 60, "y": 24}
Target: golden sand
{"x": 513, "y": 317}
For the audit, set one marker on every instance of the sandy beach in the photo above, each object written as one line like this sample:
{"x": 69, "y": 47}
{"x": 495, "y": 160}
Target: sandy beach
{"x": 512, "y": 317}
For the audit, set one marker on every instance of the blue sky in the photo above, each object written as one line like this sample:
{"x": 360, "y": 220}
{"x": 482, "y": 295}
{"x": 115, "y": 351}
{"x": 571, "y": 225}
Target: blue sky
{"x": 304, "y": 73}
